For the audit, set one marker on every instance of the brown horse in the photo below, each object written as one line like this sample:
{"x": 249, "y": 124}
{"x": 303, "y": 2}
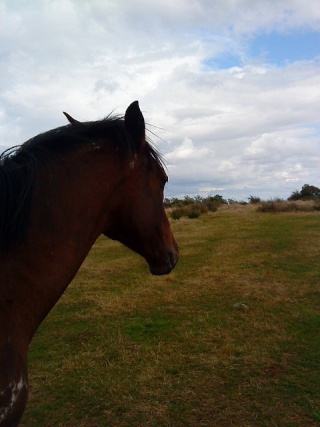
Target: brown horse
{"x": 58, "y": 192}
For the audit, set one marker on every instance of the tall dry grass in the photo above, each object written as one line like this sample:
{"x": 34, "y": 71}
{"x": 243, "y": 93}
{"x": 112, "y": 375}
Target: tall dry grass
{"x": 279, "y": 205}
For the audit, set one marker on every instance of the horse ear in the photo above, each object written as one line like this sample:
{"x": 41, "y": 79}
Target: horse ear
{"x": 71, "y": 119}
{"x": 134, "y": 123}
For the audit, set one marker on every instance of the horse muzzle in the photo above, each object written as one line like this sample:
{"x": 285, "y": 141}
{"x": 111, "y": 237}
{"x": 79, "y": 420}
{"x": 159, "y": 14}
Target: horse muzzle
{"x": 166, "y": 263}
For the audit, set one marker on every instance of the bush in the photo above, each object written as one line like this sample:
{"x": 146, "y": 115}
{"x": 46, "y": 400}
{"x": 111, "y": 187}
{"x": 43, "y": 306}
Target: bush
{"x": 193, "y": 207}
{"x": 212, "y": 206}
{"x": 278, "y": 205}
{"x": 254, "y": 200}
{"x": 193, "y": 210}
{"x": 177, "y": 213}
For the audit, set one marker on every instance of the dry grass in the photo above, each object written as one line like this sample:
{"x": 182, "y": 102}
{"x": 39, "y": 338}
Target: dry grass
{"x": 229, "y": 338}
{"x": 278, "y": 205}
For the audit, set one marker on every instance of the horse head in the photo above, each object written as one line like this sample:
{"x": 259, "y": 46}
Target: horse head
{"x": 140, "y": 221}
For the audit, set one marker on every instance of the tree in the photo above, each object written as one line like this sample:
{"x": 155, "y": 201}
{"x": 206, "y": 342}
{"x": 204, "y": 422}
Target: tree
{"x": 307, "y": 192}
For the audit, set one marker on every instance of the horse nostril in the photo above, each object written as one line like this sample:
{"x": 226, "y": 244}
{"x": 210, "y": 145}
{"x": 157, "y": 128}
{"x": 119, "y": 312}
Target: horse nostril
{"x": 173, "y": 258}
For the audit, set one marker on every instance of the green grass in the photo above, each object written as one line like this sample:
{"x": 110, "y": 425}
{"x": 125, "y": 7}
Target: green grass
{"x": 124, "y": 348}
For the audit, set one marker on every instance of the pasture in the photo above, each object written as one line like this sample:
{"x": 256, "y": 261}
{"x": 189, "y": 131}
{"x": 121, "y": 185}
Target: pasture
{"x": 229, "y": 338}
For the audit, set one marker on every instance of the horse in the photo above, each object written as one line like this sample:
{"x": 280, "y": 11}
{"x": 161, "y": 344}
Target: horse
{"x": 59, "y": 192}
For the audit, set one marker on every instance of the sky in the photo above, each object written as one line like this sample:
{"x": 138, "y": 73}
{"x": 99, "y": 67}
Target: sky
{"x": 230, "y": 89}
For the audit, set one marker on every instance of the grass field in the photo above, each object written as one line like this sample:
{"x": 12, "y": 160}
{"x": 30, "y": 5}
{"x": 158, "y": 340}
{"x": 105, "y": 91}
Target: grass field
{"x": 230, "y": 338}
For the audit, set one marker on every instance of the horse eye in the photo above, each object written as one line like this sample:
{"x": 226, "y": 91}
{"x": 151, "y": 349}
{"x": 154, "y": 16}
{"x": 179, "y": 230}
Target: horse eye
{"x": 164, "y": 178}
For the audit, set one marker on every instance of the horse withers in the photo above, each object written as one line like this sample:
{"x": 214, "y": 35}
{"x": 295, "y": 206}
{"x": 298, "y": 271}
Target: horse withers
{"x": 59, "y": 191}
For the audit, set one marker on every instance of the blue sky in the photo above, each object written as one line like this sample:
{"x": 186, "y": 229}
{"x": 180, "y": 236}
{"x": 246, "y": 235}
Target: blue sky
{"x": 279, "y": 48}
{"x": 232, "y": 87}
{"x": 272, "y": 48}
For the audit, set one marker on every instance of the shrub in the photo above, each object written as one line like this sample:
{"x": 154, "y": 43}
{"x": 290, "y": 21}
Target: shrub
{"x": 193, "y": 207}
{"x": 202, "y": 206}
{"x": 177, "y": 213}
{"x": 278, "y": 205}
{"x": 254, "y": 200}
{"x": 194, "y": 212}
{"x": 212, "y": 206}
{"x": 189, "y": 210}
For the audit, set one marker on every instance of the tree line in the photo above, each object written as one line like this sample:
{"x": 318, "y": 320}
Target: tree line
{"x": 193, "y": 207}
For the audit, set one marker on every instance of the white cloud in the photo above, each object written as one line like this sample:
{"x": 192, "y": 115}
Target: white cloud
{"x": 204, "y": 190}
{"x": 242, "y": 128}
{"x": 187, "y": 151}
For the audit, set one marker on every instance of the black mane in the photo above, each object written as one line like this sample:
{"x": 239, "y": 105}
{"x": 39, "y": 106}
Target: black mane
{"x": 19, "y": 167}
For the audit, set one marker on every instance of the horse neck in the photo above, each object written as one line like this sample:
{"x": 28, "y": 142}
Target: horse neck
{"x": 68, "y": 215}
{"x": 13, "y": 355}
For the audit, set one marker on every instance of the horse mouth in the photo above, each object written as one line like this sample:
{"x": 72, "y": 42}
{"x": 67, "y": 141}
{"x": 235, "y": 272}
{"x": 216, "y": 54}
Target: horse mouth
{"x": 165, "y": 267}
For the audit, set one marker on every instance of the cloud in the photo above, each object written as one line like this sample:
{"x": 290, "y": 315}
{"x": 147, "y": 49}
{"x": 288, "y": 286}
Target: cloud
{"x": 226, "y": 118}
{"x": 187, "y": 151}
